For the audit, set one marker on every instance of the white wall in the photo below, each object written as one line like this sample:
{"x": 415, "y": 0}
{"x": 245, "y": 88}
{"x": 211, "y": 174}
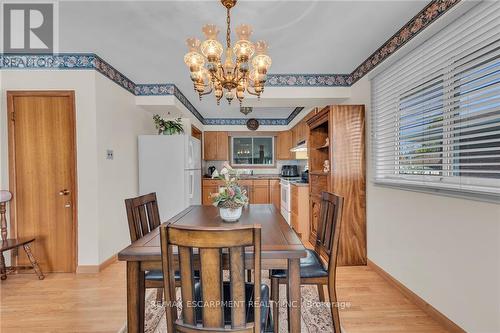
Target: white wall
{"x": 119, "y": 122}
{"x": 446, "y": 250}
{"x": 106, "y": 117}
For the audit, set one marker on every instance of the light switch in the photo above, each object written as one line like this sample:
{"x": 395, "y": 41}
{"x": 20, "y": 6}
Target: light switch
{"x": 109, "y": 154}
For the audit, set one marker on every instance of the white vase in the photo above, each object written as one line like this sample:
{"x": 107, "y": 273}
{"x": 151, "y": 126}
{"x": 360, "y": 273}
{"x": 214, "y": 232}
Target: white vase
{"x": 230, "y": 214}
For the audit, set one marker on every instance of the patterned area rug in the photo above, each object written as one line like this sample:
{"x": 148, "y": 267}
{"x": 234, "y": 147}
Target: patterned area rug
{"x": 316, "y": 316}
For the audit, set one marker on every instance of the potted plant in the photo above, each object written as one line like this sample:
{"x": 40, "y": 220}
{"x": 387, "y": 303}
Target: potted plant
{"x": 231, "y": 197}
{"x": 168, "y": 127}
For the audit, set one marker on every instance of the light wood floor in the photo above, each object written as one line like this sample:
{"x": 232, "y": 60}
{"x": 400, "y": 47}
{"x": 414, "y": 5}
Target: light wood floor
{"x": 97, "y": 303}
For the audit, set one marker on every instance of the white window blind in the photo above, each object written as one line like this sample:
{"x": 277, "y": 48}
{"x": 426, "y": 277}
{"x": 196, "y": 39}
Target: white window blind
{"x": 436, "y": 112}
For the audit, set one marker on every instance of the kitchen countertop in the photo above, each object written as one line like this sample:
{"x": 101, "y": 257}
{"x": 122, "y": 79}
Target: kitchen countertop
{"x": 299, "y": 184}
{"x": 263, "y": 176}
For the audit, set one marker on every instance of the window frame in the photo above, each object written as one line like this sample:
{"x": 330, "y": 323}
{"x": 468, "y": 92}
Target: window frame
{"x": 243, "y": 166}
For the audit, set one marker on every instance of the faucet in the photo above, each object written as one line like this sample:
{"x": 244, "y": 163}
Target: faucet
{"x": 251, "y": 172}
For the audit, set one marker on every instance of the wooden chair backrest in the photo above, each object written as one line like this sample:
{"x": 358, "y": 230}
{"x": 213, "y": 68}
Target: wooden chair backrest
{"x": 210, "y": 244}
{"x": 327, "y": 239}
{"x": 142, "y": 215}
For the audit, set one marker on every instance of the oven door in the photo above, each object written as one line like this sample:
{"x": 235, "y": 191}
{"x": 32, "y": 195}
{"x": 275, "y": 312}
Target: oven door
{"x": 285, "y": 196}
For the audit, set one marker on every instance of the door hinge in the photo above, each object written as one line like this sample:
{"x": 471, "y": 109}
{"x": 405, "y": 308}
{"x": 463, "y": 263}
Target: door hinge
{"x": 12, "y": 116}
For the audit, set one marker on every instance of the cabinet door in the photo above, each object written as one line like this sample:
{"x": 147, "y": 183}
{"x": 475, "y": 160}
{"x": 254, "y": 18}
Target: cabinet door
{"x": 260, "y": 194}
{"x": 222, "y": 146}
{"x": 295, "y": 224}
{"x": 314, "y": 209}
{"x": 275, "y": 193}
{"x": 207, "y": 190}
{"x": 210, "y": 146}
{"x": 284, "y": 145}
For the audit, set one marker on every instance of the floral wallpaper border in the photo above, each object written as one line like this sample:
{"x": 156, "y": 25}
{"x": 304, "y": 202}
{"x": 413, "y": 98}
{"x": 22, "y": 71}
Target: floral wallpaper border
{"x": 88, "y": 61}
{"x": 417, "y": 24}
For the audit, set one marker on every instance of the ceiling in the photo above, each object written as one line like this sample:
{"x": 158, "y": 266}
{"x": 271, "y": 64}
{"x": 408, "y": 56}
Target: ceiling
{"x": 146, "y": 40}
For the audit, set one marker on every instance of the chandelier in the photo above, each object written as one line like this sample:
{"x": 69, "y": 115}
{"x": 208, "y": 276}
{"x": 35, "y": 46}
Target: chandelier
{"x": 232, "y": 76}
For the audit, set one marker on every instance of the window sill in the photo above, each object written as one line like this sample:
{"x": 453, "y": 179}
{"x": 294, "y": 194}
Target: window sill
{"x": 483, "y": 197}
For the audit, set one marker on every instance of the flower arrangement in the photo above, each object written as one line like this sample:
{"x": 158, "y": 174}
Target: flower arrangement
{"x": 168, "y": 127}
{"x": 231, "y": 195}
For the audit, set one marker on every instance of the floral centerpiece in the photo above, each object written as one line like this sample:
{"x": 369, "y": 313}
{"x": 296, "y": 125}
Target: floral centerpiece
{"x": 231, "y": 197}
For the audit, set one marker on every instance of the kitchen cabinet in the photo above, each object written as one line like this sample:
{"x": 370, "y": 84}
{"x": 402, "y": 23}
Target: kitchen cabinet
{"x": 258, "y": 190}
{"x": 216, "y": 146}
{"x": 343, "y": 126}
{"x": 299, "y": 132}
{"x": 275, "y": 193}
{"x": 284, "y": 145}
{"x": 299, "y": 200}
{"x": 209, "y": 186}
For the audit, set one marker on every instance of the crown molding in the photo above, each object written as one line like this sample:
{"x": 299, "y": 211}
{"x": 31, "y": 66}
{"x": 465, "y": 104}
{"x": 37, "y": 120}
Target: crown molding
{"x": 91, "y": 61}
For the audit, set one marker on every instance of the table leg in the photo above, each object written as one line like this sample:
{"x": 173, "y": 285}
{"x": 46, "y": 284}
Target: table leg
{"x": 135, "y": 297}
{"x": 3, "y": 270}
{"x": 294, "y": 305}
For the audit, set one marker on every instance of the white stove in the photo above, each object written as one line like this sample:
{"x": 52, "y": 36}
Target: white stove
{"x": 286, "y": 204}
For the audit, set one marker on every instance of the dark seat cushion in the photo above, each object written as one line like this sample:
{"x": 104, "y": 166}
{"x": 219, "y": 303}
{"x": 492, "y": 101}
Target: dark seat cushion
{"x": 157, "y": 275}
{"x": 310, "y": 267}
{"x": 265, "y": 313}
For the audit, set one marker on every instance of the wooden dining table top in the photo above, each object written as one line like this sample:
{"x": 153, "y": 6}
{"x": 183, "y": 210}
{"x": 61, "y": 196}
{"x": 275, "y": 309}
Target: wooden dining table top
{"x": 278, "y": 239}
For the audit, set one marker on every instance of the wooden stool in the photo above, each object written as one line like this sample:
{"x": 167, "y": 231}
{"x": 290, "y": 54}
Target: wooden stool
{"x": 15, "y": 243}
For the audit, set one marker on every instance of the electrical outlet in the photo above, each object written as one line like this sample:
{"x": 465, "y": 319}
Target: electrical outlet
{"x": 109, "y": 154}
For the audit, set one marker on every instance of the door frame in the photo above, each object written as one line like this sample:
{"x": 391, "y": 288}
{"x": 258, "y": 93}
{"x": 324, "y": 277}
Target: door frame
{"x": 12, "y": 162}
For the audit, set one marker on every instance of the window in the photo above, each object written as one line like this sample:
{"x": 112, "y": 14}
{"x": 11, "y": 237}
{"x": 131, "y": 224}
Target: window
{"x": 252, "y": 151}
{"x": 436, "y": 112}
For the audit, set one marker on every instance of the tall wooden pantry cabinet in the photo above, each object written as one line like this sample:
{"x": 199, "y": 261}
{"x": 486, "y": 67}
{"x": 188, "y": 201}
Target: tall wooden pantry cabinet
{"x": 337, "y": 135}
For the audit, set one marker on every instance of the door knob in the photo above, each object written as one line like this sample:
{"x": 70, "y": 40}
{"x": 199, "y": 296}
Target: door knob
{"x": 64, "y": 192}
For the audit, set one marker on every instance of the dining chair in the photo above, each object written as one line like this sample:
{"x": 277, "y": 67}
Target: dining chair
{"x": 143, "y": 217}
{"x": 211, "y": 304}
{"x": 312, "y": 269}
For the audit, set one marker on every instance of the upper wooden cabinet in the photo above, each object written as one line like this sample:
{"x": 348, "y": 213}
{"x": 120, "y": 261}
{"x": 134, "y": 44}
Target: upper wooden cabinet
{"x": 299, "y": 132}
{"x": 216, "y": 146}
{"x": 284, "y": 145}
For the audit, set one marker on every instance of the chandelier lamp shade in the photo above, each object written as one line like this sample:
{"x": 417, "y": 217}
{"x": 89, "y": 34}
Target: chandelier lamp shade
{"x": 242, "y": 69}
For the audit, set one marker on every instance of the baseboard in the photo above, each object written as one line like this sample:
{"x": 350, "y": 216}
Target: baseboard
{"x": 423, "y": 305}
{"x": 107, "y": 262}
{"x": 92, "y": 269}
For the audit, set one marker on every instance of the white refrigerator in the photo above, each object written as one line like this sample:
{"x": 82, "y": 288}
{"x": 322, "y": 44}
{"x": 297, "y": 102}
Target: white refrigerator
{"x": 170, "y": 165}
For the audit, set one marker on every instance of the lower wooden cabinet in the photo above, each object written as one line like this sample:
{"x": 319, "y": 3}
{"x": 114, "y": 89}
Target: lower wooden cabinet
{"x": 275, "y": 193}
{"x": 259, "y": 191}
{"x": 299, "y": 200}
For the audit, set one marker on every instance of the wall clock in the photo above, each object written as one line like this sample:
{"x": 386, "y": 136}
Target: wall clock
{"x": 252, "y": 124}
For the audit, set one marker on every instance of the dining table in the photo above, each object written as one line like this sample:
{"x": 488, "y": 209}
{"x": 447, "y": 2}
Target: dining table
{"x": 281, "y": 248}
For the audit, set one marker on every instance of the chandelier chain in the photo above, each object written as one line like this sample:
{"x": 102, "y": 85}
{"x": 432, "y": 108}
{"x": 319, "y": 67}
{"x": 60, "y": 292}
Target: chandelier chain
{"x": 228, "y": 35}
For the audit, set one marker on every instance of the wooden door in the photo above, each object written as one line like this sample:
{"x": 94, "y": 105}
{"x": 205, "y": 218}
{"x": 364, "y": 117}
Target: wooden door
{"x": 275, "y": 193}
{"x": 42, "y": 166}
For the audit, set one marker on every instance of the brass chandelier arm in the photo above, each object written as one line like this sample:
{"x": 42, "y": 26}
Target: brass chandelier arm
{"x": 206, "y": 92}
{"x": 252, "y": 92}
{"x": 228, "y": 33}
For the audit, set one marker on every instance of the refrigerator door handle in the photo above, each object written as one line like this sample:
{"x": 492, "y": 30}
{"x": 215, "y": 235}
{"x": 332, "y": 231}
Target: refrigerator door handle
{"x": 191, "y": 185}
{"x": 190, "y": 154}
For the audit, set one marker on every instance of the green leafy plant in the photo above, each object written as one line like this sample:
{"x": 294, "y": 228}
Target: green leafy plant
{"x": 231, "y": 195}
{"x": 168, "y": 127}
